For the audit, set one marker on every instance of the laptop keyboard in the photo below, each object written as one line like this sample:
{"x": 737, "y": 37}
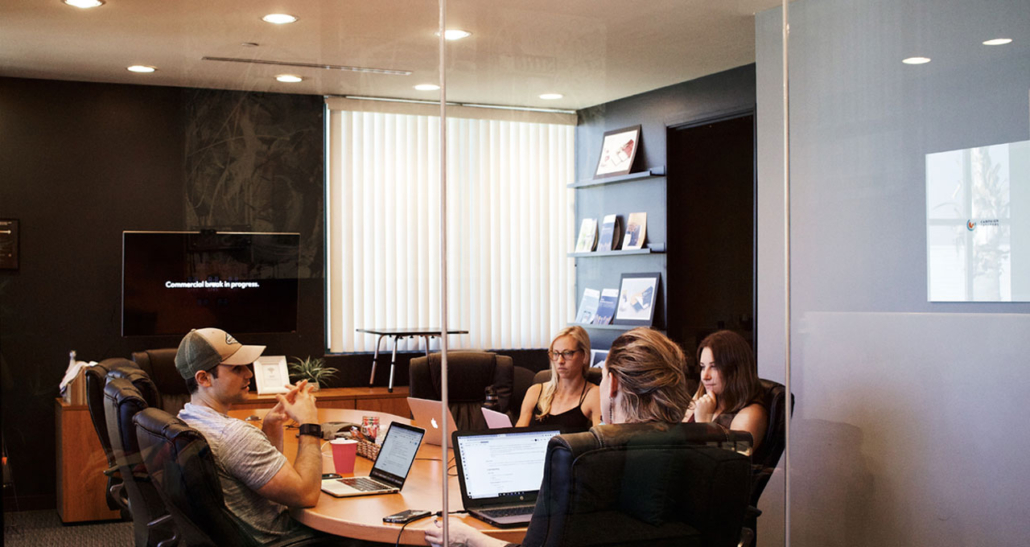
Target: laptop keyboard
{"x": 363, "y": 484}
{"x": 508, "y": 511}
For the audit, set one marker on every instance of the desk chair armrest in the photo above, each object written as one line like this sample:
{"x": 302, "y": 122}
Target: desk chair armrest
{"x": 111, "y": 471}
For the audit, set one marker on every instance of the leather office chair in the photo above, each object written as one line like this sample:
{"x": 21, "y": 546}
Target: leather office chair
{"x": 183, "y": 469}
{"x": 471, "y": 373}
{"x": 523, "y": 378}
{"x": 643, "y": 484}
{"x": 593, "y": 376}
{"x": 123, "y": 399}
{"x": 96, "y": 379}
{"x": 159, "y": 364}
{"x": 767, "y": 456}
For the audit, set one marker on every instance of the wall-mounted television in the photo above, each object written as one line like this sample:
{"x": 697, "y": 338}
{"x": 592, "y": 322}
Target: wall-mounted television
{"x": 237, "y": 281}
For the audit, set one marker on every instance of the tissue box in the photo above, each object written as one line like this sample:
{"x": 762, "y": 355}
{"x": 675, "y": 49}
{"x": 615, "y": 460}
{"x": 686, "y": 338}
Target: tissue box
{"x": 75, "y": 392}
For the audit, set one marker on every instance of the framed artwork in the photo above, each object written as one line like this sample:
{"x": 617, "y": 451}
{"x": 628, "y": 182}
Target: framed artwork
{"x": 597, "y": 357}
{"x": 637, "y": 295}
{"x": 8, "y": 244}
{"x": 618, "y": 150}
{"x": 271, "y": 374}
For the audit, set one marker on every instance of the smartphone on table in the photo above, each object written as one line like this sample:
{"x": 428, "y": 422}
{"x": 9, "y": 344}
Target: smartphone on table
{"x": 406, "y": 516}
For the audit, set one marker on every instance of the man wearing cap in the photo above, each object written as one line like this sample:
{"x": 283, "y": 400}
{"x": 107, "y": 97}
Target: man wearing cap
{"x": 258, "y": 481}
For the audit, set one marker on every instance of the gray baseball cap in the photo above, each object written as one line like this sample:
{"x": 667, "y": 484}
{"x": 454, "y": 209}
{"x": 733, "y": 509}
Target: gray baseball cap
{"x": 204, "y": 349}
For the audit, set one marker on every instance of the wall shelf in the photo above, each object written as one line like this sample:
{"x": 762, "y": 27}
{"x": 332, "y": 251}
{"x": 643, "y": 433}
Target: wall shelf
{"x": 654, "y": 172}
{"x": 593, "y": 254}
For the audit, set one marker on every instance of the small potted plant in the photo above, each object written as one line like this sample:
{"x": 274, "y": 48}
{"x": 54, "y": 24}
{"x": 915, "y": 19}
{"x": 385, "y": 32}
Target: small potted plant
{"x": 311, "y": 369}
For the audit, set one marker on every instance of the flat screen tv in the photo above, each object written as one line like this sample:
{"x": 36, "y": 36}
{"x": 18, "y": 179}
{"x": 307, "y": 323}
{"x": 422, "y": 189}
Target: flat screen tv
{"x": 237, "y": 281}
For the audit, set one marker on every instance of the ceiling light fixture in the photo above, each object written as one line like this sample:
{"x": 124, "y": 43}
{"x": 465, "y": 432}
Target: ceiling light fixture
{"x": 142, "y": 69}
{"x": 998, "y": 42}
{"x": 454, "y": 34}
{"x": 551, "y": 96}
{"x": 289, "y": 78}
{"x": 427, "y": 87}
{"x": 311, "y": 65}
{"x": 279, "y": 18}
{"x": 916, "y": 60}
{"x": 84, "y": 4}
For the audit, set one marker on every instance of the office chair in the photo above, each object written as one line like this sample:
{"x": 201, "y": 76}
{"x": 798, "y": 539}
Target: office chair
{"x": 767, "y": 456}
{"x": 593, "y": 376}
{"x": 471, "y": 373}
{"x": 523, "y": 378}
{"x": 648, "y": 485}
{"x": 123, "y": 399}
{"x": 96, "y": 379}
{"x": 159, "y": 364}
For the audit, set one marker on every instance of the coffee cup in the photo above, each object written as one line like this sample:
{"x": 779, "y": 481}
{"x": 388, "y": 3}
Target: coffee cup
{"x": 344, "y": 453}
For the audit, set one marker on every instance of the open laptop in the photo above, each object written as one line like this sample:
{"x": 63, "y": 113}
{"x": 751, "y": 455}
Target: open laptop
{"x": 496, "y": 420}
{"x": 500, "y": 471}
{"x": 427, "y": 414}
{"x": 390, "y": 469}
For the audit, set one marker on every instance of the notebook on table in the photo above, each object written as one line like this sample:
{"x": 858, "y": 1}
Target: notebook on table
{"x": 390, "y": 469}
{"x": 500, "y": 471}
{"x": 496, "y": 420}
{"x": 427, "y": 414}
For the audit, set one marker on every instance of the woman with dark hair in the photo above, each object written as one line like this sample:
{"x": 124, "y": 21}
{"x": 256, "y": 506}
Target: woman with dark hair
{"x": 729, "y": 394}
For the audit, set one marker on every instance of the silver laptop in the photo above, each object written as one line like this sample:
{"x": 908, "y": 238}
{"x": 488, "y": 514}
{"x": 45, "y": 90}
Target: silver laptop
{"x": 427, "y": 415}
{"x": 390, "y": 469}
{"x": 500, "y": 471}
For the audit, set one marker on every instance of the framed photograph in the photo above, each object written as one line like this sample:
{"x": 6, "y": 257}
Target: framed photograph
{"x": 637, "y": 295}
{"x": 8, "y": 244}
{"x": 597, "y": 357}
{"x": 271, "y": 374}
{"x": 618, "y": 150}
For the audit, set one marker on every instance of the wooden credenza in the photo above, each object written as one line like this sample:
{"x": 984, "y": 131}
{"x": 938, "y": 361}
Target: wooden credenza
{"x": 81, "y": 462}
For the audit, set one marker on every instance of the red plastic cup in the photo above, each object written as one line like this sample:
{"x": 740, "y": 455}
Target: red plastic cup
{"x": 344, "y": 452}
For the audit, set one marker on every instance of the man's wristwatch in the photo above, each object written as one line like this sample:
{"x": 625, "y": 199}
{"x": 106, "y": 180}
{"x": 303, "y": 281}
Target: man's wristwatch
{"x": 315, "y": 430}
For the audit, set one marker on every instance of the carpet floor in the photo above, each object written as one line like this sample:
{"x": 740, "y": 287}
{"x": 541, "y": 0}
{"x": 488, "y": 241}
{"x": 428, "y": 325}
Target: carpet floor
{"x": 44, "y": 529}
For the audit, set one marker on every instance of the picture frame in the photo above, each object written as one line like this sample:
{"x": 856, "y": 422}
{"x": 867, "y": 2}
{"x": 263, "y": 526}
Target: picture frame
{"x": 638, "y": 296}
{"x": 618, "y": 152}
{"x": 597, "y": 357}
{"x": 9, "y": 235}
{"x": 271, "y": 374}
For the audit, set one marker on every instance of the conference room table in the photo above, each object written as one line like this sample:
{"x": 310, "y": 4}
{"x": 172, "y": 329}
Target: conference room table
{"x": 361, "y": 517}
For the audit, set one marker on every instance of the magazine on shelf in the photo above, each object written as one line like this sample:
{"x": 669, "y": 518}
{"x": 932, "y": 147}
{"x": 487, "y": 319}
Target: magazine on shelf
{"x": 606, "y": 307}
{"x": 587, "y": 236}
{"x": 611, "y": 232}
{"x": 588, "y": 306}
{"x": 636, "y": 231}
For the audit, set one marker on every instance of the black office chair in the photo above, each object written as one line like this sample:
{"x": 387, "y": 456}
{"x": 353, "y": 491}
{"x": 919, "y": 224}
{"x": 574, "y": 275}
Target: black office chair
{"x": 643, "y": 484}
{"x": 96, "y": 379}
{"x": 470, "y": 373}
{"x": 159, "y": 364}
{"x": 123, "y": 399}
{"x": 767, "y": 456}
{"x": 593, "y": 376}
{"x": 523, "y": 378}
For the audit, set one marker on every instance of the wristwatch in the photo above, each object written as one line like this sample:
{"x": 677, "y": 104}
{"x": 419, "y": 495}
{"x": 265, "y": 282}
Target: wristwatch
{"x": 315, "y": 430}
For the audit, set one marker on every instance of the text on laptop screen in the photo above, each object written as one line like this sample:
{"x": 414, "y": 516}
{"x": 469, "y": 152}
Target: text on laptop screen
{"x": 504, "y": 464}
{"x": 398, "y": 451}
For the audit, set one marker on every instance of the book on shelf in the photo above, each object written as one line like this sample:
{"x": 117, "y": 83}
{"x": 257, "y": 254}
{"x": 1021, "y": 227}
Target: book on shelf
{"x": 636, "y": 231}
{"x": 587, "y": 236}
{"x": 611, "y": 232}
{"x": 606, "y": 307}
{"x": 588, "y": 306}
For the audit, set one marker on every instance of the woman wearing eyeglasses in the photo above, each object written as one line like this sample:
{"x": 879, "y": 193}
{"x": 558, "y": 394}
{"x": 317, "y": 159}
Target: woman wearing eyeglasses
{"x": 567, "y": 399}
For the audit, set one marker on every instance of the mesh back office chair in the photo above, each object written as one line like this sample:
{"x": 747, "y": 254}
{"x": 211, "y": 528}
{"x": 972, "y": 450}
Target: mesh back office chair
{"x": 471, "y": 373}
{"x": 643, "y": 485}
{"x": 123, "y": 399}
{"x": 159, "y": 364}
{"x": 96, "y": 379}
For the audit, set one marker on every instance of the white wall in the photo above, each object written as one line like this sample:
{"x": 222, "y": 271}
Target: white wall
{"x": 909, "y": 426}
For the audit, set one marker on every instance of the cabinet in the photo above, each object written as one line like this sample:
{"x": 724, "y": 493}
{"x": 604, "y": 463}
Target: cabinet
{"x": 360, "y": 398}
{"x": 81, "y": 462}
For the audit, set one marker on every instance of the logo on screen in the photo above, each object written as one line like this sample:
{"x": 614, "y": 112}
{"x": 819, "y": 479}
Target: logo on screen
{"x": 970, "y": 225}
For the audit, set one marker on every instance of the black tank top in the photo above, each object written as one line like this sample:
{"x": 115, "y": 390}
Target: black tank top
{"x": 572, "y": 417}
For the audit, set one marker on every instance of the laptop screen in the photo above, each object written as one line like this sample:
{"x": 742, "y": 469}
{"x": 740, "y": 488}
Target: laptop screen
{"x": 397, "y": 453}
{"x": 495, "y": 465}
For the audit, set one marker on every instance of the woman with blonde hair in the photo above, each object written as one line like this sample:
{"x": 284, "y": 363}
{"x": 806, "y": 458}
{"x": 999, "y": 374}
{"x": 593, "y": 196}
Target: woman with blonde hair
{"x": 567, "y": 399}
{"x": 730, "y": 393}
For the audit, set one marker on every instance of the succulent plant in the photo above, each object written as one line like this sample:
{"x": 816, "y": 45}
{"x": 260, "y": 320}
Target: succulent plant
{"x": 310, "y": 369}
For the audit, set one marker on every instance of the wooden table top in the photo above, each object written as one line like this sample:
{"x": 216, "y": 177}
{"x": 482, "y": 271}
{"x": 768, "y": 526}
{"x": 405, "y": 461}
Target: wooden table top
{"x": 362, "y": 517}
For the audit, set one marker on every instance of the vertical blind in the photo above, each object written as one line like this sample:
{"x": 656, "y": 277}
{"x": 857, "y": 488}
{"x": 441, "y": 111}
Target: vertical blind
{"x": 509, "y": 228}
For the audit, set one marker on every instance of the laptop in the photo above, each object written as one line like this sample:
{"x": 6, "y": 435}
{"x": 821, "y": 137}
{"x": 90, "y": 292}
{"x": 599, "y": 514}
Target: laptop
{"x": 496, "y": 420}
{"x": 500, "y": 471}
{"x": 390, "y": 469}
{"x": 427, "y": 414}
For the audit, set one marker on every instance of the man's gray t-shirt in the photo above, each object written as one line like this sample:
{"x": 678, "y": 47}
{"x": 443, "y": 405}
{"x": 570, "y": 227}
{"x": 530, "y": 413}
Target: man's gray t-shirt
{"x": 246, "y": 461}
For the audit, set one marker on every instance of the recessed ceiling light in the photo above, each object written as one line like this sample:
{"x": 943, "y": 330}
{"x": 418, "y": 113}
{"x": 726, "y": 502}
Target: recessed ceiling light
{"x": 454, "y": 34}
{"x": 84, "y": 4}
{"x": 279, "y": 18}
{"x": 427, "y": 87}
{"x": 551, "y": 96}
{"x": 998, "y": 42}
{"x": 289, "y": 78}
{"x": 916, "y": 60}
{"x": 141, "y": 68}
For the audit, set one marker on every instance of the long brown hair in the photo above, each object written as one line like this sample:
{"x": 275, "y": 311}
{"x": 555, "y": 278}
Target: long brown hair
{"x": 650, "y": 371}
{"x": 736, "y": 364}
